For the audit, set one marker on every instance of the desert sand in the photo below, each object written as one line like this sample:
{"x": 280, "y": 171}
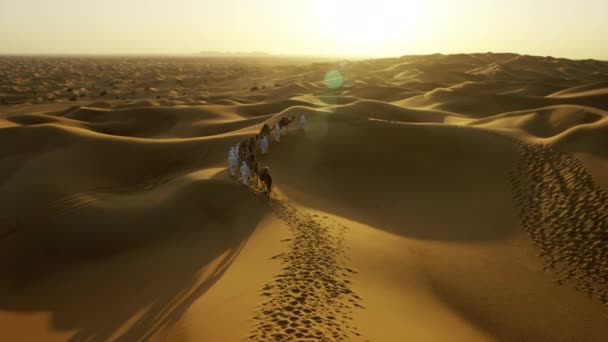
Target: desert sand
{"x": 429, "y": 198}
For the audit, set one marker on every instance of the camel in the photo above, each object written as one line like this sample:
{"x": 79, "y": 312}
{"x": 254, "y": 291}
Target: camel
{"x": 256, "y": 144}
{"x": 266, "y": 130}
{"x": 244, "y": 149}
{"x": 284, "y": 122}
{"x": 251, "y": 145}
{"x": 254, "y": 166}
{"x": 266, "y": 179}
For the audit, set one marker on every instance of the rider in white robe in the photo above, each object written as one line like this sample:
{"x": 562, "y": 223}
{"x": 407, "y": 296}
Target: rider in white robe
{"x": 232, "y": 161}
{"x": 277, "y": 133}
{"x": 264, "y": 145}
{"x": 245, "y": 174}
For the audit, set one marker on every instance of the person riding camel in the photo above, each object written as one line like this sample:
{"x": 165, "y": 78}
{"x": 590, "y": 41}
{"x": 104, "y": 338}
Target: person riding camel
{"x": 264, "y": 145}
{"x": 237, "y": 153}
{"x": 232, "y": 161}
{"x": 277, "y": 133}
{"x": 245, "y": 174}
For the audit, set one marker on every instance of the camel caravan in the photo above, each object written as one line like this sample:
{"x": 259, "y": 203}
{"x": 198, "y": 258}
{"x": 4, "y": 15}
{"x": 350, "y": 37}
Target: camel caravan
{"x": 249, "y": 151}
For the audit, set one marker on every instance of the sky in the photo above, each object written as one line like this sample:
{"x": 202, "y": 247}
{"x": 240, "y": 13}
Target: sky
{"x": 572, "y": 29}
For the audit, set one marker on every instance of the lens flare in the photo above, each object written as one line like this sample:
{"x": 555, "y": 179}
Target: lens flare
{"x": 333, "y": 79}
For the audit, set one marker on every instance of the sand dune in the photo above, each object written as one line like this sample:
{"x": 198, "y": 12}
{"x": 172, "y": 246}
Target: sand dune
{"x": 432, "y": 198}
{"x": 594, "y": 88}
{"x": 544, "y": 122}
{"x": 383, "y": 93}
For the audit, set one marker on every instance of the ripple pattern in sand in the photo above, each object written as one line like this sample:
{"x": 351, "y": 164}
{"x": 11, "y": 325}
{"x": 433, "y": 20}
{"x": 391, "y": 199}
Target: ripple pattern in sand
{"x": 566, "y": 214}
{"x": 311, "y": 299}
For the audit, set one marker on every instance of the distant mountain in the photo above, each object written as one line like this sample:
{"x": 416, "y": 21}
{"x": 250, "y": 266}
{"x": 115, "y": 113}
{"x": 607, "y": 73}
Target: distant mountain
{"x": 233, "y": 54}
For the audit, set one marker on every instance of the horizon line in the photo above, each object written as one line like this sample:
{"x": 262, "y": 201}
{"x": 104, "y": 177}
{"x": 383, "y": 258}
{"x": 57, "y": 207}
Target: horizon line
{"x": 262, "y": 55}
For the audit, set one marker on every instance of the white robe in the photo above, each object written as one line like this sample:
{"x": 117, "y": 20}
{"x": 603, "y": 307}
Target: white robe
{"x": 264, "y": 145}
{"x": 277, "y": 133}
{"x": 232, "y": 162}
{"x": 245, "y": 174}
{"x": 302, "y": 121}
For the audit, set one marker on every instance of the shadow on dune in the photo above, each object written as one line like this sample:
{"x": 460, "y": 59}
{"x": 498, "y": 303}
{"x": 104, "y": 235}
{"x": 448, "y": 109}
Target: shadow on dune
{"x": 424, "y": 181}
{"x": 134, "y": 295}
{"x": 137, "y": 293}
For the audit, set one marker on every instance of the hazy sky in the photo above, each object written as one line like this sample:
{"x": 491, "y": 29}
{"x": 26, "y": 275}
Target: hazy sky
{"x": 566, "y": 28}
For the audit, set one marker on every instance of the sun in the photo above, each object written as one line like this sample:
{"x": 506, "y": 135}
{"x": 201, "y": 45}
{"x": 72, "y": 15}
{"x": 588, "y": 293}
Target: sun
{"x": 366, "y": 26}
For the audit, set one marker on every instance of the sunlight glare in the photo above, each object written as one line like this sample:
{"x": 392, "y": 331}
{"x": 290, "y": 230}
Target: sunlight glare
{"x": 373, "y": 24}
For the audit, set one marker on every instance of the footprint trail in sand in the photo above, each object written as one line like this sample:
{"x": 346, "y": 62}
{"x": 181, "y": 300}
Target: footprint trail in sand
{"x": 311, "y": 299}
{"x": 566, "y": 215}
